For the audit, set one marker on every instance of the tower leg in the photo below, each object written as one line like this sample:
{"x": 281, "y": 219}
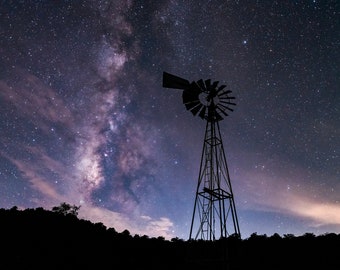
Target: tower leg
{"x": 214, "y": 216}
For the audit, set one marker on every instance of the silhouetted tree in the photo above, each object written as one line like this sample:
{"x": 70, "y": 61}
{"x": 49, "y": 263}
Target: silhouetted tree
{"x": 65, "y": 209}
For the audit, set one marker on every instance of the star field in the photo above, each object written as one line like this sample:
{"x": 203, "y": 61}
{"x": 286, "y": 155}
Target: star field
{"x": 84, "y": 118}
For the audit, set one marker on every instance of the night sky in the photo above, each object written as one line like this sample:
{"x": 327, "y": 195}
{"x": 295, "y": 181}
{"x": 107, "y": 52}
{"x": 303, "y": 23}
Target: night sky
{"x": 84, "y": 118}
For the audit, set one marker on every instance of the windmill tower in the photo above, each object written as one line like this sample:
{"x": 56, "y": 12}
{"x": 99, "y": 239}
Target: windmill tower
{"x": 214, "y": 214}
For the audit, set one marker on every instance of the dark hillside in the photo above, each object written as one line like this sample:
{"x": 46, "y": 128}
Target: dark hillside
{"x": 41, "y": 239}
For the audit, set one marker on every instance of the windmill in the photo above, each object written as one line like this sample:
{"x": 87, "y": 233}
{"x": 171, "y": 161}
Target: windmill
{"x": 214, "y": 214}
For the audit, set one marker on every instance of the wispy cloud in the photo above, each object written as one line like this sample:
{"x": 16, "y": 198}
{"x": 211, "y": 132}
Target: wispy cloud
{"x": 141, "y": 225}
{"x": 35, "y": 100}
{"x": 286, "y": 194}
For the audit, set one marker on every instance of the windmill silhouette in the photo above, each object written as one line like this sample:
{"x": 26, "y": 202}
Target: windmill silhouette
{"x": 214, "y": 216}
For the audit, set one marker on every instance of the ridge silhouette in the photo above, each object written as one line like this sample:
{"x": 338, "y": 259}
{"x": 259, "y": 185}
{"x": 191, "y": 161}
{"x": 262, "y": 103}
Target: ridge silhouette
{"x": 44, "y": 239}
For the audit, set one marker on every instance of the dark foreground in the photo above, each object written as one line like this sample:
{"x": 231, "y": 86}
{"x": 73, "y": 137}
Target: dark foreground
{"x": 42, "y": 239}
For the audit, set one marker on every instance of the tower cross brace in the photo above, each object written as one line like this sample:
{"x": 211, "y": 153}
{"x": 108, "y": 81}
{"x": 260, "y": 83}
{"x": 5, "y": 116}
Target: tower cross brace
{"x": 214, "y": 214}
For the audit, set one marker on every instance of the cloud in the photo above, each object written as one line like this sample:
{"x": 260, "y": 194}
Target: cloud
{"x": 320, "y": 213}
{"x": 35, "y": 100}
{"x": 286, "y": 194}
{"x": 30, "y": 171}
{"x": 160, "y": 227}
{"x": 141, "y": 225}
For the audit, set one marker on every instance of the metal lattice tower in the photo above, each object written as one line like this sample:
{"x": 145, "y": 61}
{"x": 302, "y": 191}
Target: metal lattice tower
{"x": 214, "y": 214}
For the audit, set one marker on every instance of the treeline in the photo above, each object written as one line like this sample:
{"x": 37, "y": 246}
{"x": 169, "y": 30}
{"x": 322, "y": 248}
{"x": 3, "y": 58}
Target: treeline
{"x": 58, "y": 239}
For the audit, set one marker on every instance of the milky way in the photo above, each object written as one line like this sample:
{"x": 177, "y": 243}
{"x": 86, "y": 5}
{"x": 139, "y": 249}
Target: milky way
{"x": 84, "y": 118}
